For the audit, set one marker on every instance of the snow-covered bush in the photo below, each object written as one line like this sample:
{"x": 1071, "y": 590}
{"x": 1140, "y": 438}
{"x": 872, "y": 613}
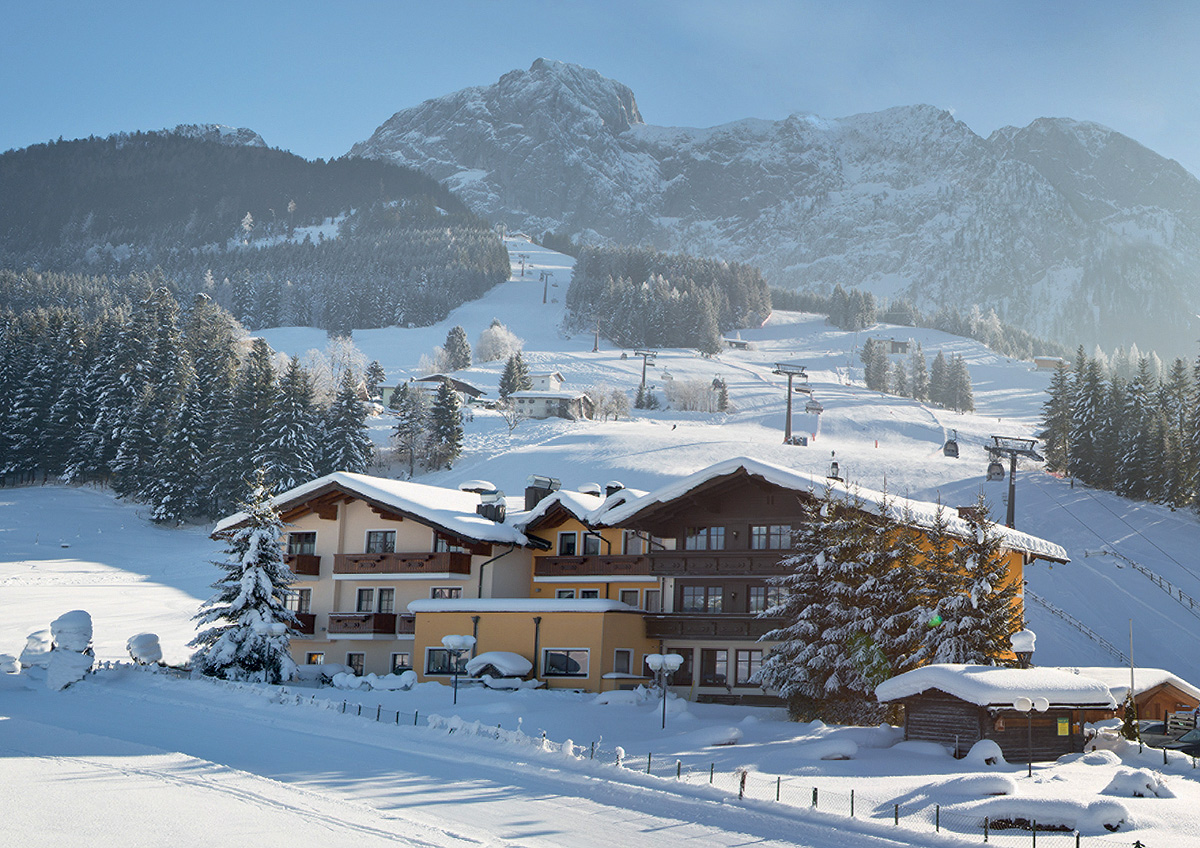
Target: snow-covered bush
{"x": 71, "y": 649}
{"x": 37, "y": 650}
{"x": 498, "y": 664}
{"x": 985, "y": 752}
{"x": 1137, "y": 783}
{"x": 144, "y": 648}
{"x": 66, "y": 667}
{"x": 497, "y": 342}
{"x": 9, "y": 664}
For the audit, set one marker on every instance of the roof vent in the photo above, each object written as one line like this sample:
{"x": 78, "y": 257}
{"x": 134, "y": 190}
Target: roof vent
{"x": 481, "y": 487}
{"x": 591, "y": 489}
{"x": 538, "y": 487}
{"x": 612, "y": 487}
{"x": 492, "y": 506}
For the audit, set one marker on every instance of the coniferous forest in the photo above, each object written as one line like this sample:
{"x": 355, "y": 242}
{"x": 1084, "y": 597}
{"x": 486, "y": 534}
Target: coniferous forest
{"x": 1126, "y": 424}
{"x": 273, "y": 238}
{"x": 639, "y": 297}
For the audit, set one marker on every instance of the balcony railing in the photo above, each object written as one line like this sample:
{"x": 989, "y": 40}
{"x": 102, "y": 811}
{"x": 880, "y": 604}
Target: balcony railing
{"x": 443, "y": 562}
{"x": 306, "y": 623}
{"x": 591, "y": 566}
{"x": 715, "y": 563}
{"x": 304, "y": 564}
{"x": 365, "y": 623}
{"x": 406, "y": 625}
{"x": 709, "y": 626}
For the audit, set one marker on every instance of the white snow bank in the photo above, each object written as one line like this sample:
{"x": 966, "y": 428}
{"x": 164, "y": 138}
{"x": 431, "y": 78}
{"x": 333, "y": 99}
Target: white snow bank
{"x": 65, "y": 668}
{"x": 37, "y": 650}
{"x": 922, "y": 749}
{"x": 72, "y": 631}
{"x": 509, "y": 683}
{"x": 320, "y": 671}
{"x": 990, "y": 686}
{"x": 1095, "y": 817}
{"x": 976, "y": 785}
{"x": 835, "y": 748}
{"x": 1092, "y": 758}
{"x": 624, "y": 697}
{"x": 985, "y": 752}
{"x": 9, "y": 664}
{"x": 388, "y": 682}
{"x": 144, "y": 648}
{"x": 1137, "y": 783}
{"x": 709, "y": 737}
{"x": 505, "y": 662}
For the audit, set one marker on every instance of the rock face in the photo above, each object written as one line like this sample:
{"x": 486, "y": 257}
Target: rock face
{"x": 232, "y": 136}
{"x": 1066, "y": 228}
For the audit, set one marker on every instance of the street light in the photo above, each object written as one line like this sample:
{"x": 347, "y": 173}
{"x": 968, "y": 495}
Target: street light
{"x": 663, "y": 665}
{"x": 456, "y": 646}
{"x": 1027, "y": 706}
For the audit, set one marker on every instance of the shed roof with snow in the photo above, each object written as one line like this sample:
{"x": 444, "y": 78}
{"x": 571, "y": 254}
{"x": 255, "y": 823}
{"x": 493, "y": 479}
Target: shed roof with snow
{"x": 998, "y": 687}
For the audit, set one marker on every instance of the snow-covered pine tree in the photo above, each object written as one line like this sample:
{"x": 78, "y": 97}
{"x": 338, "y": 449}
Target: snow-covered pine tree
{"x": 1056, "y": 421}
{"x": 961, "y": 397}
{"x": 722, "y": 391}
{"x": 1135, "y": 471}
{"x": 940, "y": 587}
{"x": 939, "y": 380}
{"x": 287, "y": 457}
{"x": 175, "y": 492}
{"x": 899, "y": 380}
{"x": 919, "y": 379}
{"x": 243, "y": 433}
{"x": 1087, "y": 417}
{"x": 894, "y": 592}
{"x": 247, "y": 637}
{"x": 445, "y": 428}
{"x": 875, "y": 365}
{"x": 515, "y": 377}
{"x": 458, "y": 349}
{"x": 412, "y": 419}
{"x": 346, "y": 444}
{"x": 373, "y": 377}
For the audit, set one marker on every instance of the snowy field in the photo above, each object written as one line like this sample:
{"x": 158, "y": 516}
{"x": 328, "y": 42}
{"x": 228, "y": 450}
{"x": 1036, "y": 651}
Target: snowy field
{"x": 134, "y": 756}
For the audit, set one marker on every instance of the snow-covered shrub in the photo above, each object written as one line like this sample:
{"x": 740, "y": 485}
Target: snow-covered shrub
{"x": 72, "y": 631}
{"x": 835, "y": 748}
{"x": 979, "y": 785}
{"x": 71, "y": 649}
{"x": 985, "y": 752}
{"x": 66, "y": 667}
{"x": 509, "y": 683}
{"x": 498, "y": 664}
{"x": 37, "y": 650}
{"x": 1137, "y": 783}
{"x": 497, "y": 342}
{"x": 9, "y": 664}
{"x": 624, "y": 697}
{"x": 144, "y": 648}
{"x": 692, "y": 395}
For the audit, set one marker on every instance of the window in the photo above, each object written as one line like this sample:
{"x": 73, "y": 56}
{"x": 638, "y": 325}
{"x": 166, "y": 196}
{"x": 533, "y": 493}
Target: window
{"x": 761, "y": 598}
{"x": 653, "y": 600}
{"x": 770, "y": 537}
{"x": 704, "y": 539}
{"x": 564, "y": 593}
{"x": 748, "y": 664}
{"x": 445, "y": 593}
{"x": 567, "y": 543}
{"x": 438, "y": 661}
{"x": 622, "y": 661}
{"x": 387, "y": 600}
{"x": 302, "y": 543}
{"x": 701, "y": 598}
{"x": 401, "y": 662}
{"x": 565, "y": 662}
{"x": 299, "y": 601}
{"x": 356, "y": 662}
{"x": 314, "y": 658}
{"x": 365, "y": 600}
{"x": 381, "y": 541}
{"x": 629, "y": 596}
{"x": 591, "y": 545}
{"x": 589, "y": 594}
{"x": 631, "y": 543}
{"x": 714, "y": 666}
{"x": 447, "y": 544}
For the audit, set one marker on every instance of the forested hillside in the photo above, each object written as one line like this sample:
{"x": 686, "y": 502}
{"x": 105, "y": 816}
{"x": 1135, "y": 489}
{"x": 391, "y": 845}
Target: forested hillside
{"x": 270, "y": 236}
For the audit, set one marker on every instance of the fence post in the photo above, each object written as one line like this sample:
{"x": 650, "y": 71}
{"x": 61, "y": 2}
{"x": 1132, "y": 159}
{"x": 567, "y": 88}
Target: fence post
{"x": 593, "y": 756}
{"x": 814, "y": 803}
{"x": 778, "y": 780}
{"x": 985, "y": 828}
{"x": 712, "y": 767}
{"x": 1034, "y": 830}
{"x": 896, "y": 815}
{"x": 414, "y": 718}
{"x": 1077, "y": 839}
{"x": 851, "y": 803}
{"x": 648, "y": 756}
{"x": 742, "y": 786}
{"x": 343, "y": 707}
{"x": 378, "y": 709}
{"x": 937, "y": 817}
{"x": 678, "y": 769}
{"x": 397, "y": 717}
{"x": 360, "y": 709}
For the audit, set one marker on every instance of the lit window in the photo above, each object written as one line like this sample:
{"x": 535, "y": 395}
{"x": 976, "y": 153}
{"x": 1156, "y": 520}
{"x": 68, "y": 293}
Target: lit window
{"x": 381, "y": 541}
{"x": 314, "y": 658}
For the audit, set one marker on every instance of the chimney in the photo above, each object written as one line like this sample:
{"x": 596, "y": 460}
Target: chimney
{"x": 493, "y": 506}
{"x": 612, "y": 487}
{"x": 590, "y": 489}
{"x": 538, "y": 487}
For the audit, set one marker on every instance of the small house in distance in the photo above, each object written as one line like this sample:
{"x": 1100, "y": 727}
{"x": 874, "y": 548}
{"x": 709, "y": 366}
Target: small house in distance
{"x": 893, "y": 346}
{"x": 1048, "y": 363}
{"x": 958, "y": 705}
{"x": 548, "y": 399}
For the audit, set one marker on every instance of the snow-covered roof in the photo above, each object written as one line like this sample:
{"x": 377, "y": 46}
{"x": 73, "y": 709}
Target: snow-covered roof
{"x": 520, "y": 605}
{"x": 922, "y": 512}
{"x": 578, "y": 504}
{"x": 1116, "y": 678}
{"x": 991, "y": 686}
{"x": 564, "y": 394}
{"x": 444, "y": 508}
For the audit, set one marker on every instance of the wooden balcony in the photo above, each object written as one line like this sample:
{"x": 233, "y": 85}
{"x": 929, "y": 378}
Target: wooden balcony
{"x": 363, "y": 623}
{"x": 717, "y": 563}
{"x": 406, "y": 625}
{"x": 445, "y": 562}
{"x": 306, "y": 623}
{"x": 591, "y": 566}
{"x": 684, "y": 625}
{"x": 308, "y": 565}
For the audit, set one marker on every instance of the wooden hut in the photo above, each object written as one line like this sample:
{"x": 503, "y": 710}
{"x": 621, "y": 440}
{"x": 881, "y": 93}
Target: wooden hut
{"x": 958, "y": 705}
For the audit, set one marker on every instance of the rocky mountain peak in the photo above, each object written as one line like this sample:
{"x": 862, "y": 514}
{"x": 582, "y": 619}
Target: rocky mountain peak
{"x": 222, "y": 134}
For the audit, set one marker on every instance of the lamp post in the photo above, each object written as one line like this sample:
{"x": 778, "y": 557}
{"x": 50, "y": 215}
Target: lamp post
{"x": 456, "y": 646}
{"x": 1027, "y": 706}
{"x": 663, "y": 665}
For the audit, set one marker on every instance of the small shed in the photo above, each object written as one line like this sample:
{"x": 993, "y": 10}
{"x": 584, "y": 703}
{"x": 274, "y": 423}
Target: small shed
{"x": 1048, "y": 363}
{"x": 1157, "y": 693}
{"x": 958, "y": 705}
{"x": 464, "y": 388}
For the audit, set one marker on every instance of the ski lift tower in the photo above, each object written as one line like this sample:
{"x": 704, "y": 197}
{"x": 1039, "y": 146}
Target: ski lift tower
{"x": 789, "y": 370}
{"x": 1012, "y": 447}
{"x": 648, "y": 357}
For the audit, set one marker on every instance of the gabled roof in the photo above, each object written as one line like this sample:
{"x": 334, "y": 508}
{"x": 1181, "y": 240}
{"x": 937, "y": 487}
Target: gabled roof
{"x": 992, "y": 686}
{"x": 922, "y": 513}
{"x": 447, "y": 510}
{"x": 561, "y": 394}
{"x": 576, "y": 505}
{"x": 1116, "y": 678}
{"x": 455, "y": 383}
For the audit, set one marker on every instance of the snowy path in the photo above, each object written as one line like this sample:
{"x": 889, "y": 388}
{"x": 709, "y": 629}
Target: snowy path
{"x": 120, "y": 753}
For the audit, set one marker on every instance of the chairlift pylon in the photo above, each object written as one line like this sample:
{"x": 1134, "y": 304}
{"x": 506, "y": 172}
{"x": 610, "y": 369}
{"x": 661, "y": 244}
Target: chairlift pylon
{"x": 950, "y": 449}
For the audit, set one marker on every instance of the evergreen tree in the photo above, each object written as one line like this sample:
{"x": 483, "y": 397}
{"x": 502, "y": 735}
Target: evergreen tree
{"x": 515, "y": 377}
{"x": 895, "y": 591}
{"x": 875, "y": 365}
{"x": 458, "y": 349}
{"x": 920, "y": 374}
{"x": 374, "y": 376}
{"x": 243, "y": 434}
{"x": 1056, "y": 421}
{"x": 1135, "y": 465}
{"x": 939, "y": 588}
{"x": 445, "y": 428}
{"x": 248, "y": 636}
{"x": 1087, "y": 417}
{"x": 346, "y": 444}
{"x": 722, "y": 391}
{"x": 960, "y": 396}
{"x": 176, "y": 492}
{"x": 899, "y": 380}
{"x": 287, "y": 457}
{"x": 412, "y": 421}
{"x": 939, "y": 381}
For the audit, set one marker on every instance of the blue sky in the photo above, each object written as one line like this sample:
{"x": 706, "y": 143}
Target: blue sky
{"x": 316, "y": 77}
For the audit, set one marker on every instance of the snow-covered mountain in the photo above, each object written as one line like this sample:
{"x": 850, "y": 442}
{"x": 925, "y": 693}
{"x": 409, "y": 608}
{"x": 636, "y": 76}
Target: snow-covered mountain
{"x": 220, "y": 133}
{"x": 1066, "y": 228}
